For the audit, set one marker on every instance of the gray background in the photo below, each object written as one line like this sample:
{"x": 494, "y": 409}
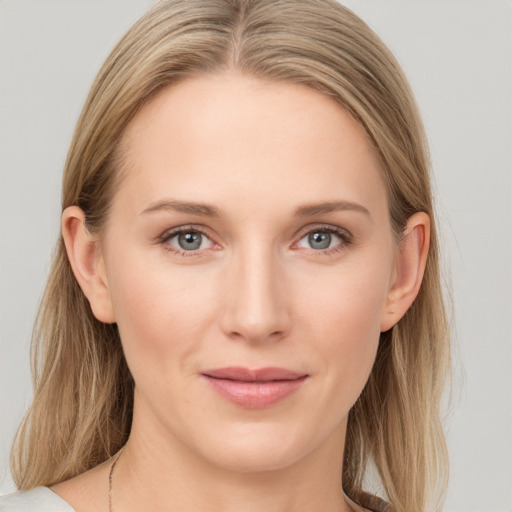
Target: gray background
{"x": 458, "y": 57}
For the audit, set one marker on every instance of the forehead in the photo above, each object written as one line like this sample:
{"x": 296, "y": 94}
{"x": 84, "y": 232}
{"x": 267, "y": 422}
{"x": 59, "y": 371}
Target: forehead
{"x": 229, "y": 137}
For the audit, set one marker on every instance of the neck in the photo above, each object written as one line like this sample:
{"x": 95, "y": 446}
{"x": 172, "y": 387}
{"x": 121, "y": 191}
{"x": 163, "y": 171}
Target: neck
{"x": 158, "y": 472}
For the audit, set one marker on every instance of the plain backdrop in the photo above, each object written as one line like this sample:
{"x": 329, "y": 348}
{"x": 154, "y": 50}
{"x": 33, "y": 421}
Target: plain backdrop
{"x": 458, "y": 57}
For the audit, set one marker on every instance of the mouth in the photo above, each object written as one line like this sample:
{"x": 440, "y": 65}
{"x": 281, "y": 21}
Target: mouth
{"x": 256, "y": 388}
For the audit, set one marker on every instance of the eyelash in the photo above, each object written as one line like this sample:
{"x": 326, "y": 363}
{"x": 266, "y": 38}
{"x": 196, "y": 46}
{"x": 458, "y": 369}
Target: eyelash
{"x": 345, "y": 237}
{"x": 168, "y": 235}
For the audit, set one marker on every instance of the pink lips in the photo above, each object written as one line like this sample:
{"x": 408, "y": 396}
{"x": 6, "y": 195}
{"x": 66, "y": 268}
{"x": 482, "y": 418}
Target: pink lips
{"x": 254, "y": 389}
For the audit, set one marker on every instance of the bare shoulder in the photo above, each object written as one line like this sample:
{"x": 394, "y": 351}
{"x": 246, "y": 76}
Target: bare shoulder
{"x": 87, "y": 492}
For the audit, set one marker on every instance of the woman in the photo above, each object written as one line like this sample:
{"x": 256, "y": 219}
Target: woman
{"x": 245, "y": 307}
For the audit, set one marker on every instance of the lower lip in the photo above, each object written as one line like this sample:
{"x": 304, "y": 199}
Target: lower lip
{"x": 255, "y": 395}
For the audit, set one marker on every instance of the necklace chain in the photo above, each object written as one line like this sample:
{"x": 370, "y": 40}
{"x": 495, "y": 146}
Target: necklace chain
{"x": 110, "y": 478}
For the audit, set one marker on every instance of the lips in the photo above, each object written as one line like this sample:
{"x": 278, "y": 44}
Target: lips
{"x": 256, "y": 388}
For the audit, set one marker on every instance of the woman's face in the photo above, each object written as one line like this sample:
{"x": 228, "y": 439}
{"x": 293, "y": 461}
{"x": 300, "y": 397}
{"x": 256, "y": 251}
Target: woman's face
{"x": 250, "y": 231}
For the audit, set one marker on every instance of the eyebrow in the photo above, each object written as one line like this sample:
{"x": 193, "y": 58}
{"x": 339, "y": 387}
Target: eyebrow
{"x": 328, "y": 207}
{"x": 202, "y": 209}
{"x": 206, "y": 210}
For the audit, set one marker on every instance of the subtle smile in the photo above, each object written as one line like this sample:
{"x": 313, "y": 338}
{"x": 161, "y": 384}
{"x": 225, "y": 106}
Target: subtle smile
{"x": 254, "y": 389}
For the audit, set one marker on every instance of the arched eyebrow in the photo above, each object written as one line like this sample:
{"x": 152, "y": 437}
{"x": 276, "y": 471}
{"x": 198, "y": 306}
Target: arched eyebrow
{"x": 207, "y": 210}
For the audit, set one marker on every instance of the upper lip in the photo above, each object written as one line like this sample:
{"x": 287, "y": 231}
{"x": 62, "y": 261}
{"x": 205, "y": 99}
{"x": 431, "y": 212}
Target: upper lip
{"x": 253, "y": 375}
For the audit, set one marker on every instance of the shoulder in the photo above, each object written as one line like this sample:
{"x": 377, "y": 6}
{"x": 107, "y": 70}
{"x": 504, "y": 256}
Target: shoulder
{"x": 40, "y": 499}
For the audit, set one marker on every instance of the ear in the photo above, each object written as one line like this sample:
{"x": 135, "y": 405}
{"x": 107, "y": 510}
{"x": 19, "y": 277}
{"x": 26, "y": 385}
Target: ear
{"x": 409, "y": 270}
{"x": 86, "y": 259}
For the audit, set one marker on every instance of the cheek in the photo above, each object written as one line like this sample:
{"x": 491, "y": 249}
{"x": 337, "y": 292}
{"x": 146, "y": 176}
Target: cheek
{"x": 344, "y": 313}
{"x": 348, "y": 300}
{"x": 159, "y": 310}
{"x": 349, "y": 348}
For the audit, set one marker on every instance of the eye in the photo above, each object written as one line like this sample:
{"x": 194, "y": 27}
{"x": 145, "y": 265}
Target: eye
{"x": 324, "y": 239}
{"x": 186, "y": 240}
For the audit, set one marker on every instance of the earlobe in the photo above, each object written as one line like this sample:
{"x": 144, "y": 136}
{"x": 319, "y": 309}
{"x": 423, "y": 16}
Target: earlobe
{"x": 410, "y": 267}
{"x": 86, "y": 259}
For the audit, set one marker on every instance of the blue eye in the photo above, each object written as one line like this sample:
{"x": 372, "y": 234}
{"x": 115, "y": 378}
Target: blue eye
{"x": 324, "y": 239}
{"x": 319, "y": 240}
{"x": 188, "y": 240}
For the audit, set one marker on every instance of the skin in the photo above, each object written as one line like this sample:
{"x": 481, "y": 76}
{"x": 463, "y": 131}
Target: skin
{"x": 256, "y": 293}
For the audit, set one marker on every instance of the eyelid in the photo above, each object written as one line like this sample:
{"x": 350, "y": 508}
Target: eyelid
{"x": 345, "y": 236}
{"x": 167, "y": 235}
{"x": 345, "y": 233}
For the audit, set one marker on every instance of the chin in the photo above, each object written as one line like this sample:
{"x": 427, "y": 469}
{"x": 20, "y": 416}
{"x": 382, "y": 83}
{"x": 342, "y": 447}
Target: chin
{"x": 256, "y": 459}
{"x": 259, "y": 448}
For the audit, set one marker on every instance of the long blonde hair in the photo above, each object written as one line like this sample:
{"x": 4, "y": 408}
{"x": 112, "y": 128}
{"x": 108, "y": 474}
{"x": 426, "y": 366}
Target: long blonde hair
{"x": 83, "y": 390}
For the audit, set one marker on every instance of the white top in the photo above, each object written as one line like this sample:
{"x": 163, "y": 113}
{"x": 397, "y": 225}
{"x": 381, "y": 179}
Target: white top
{"x": 43, "y": 499}
{"x": 40, "y": 499}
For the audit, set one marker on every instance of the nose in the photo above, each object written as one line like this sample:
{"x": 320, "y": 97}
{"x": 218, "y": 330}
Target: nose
{"x": 256, "y": 307}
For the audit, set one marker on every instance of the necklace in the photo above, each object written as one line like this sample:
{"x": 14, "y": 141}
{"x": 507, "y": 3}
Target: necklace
{"x": 110, "y": 477}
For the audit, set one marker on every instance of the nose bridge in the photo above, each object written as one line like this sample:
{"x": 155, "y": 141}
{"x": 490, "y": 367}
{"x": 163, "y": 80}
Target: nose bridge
{"x": 256, "y": 307}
